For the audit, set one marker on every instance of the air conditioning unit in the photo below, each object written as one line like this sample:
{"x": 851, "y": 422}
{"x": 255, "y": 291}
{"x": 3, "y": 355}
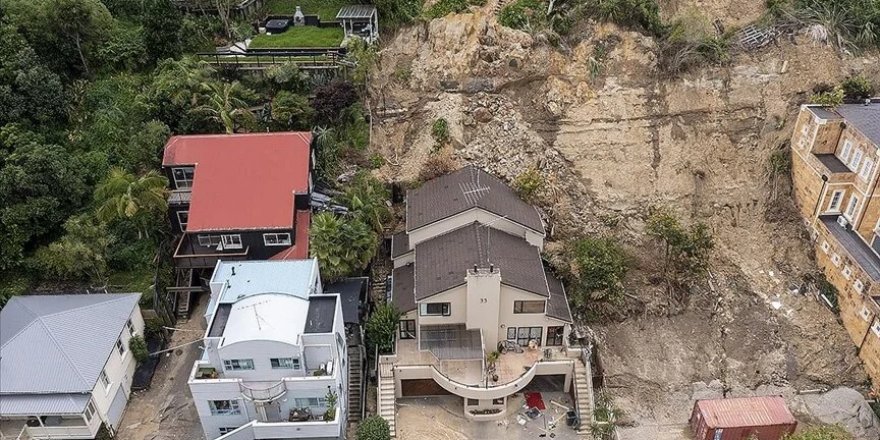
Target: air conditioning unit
{"x": 842, "y": 221}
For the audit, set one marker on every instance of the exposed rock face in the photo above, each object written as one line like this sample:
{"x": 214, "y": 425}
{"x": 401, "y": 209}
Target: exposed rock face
{"x": 612, "y": 145}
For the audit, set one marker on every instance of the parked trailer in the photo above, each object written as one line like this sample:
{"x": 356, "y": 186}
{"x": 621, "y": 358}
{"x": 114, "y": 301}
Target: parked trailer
{"x": 761, "y": 418}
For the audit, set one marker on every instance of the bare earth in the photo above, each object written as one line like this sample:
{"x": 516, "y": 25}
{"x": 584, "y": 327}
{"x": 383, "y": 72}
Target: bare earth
{"x": 165, "y": 411}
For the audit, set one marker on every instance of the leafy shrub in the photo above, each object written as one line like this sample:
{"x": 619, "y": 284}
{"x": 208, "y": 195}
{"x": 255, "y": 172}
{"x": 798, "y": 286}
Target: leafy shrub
{"x": 373, "y": 428}
{"x": 856, "y": 89}
{"x": 342, "y": 245}
{"x": 381, "y": 328}
{"x": 821, "y": 432}
{"x": 689, "y": 43}
{"x": 831, "y": 98}
{"x": 331, "y": 99}
{"x": 636, "y": 13}
{"x": 445, "y": 7}
{"x": 366, "y": 198}
{"x": 437, "y": 165}
{"x": 398, "y": 12}
{"x": 598, "y": 266}
{"x": 684, "y": 251}
{"x": 528, "y": 184}
{"x": 521, "y": 14}
{"x": 440, "y": 131}
{"x": 290, "y": 111}
{"x": 138, "y": 347}
{"x": 332, "y": 398}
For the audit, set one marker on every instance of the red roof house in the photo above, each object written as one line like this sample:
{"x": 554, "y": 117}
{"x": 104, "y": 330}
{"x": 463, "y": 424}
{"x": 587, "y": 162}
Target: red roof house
{"x": 239, "y": 196}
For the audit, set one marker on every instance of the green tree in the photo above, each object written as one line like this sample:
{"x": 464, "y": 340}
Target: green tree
{"x": 138, "y": 347}
{"x": 227, "y": 104}
{"x": 286, "y": 76}
{"x": 331, "y": 99}
{"x": 856, "y": 89}
{"x": 138, "y": 199}
{"x": 290, "y": 111}
{"x": 822, "y": 432}
{"x": 80, "y": 254}
{"x": 176, "y": 89}
{"x": 327, "y": 149}
{"x": 29, "y": 91}
{"x": 373, "y": 428}
{"x": 684, "y": 251}
{"x": 162, "y": 30}
{"x": 381, "y": 327}
{"x": 86, "y": 24}
{"x": 598, "y": 267}
{"x": 342, "y": 245}
{"x": 368, "y": 199}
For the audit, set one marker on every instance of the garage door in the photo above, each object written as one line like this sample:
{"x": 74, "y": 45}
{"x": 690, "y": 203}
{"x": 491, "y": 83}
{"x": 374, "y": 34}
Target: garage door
{"x": 421, "y": 387}
{"x": 117, "y": 407}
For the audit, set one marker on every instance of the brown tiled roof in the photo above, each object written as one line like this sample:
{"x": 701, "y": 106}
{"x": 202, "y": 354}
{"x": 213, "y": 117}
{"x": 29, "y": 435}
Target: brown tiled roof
{"x": 557, "y": 305}
{"x": 399, "y": 244}
{"x": 402, "y": 283}
{"x": 465, "y": 189}
{"x": 442, "y": 262}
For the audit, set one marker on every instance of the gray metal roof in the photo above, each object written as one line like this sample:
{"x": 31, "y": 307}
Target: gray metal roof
{"x": 356, "y": 11}
{"x": 402, "y": 285}
{"x": 823, "y": 113}
{"x": 399, "y": 244}
{"x": 59, "y": 343}
{"x": 465, "y": 189}
{"x": 442, "y": 262}
{"x": 866, "y": 118}
{"x": 557, "y": 305}
{"x": 43, "y": 404}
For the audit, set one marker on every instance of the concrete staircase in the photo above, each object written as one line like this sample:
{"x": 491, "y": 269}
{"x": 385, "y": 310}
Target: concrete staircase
{"x": 583, "y": 381}
{"x": 355, "y": 383}
{"x": 387, "y": 403}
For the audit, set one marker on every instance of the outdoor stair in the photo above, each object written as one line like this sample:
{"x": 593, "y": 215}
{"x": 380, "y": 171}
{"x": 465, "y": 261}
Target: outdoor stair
{"x": 583, "y": 382}
{"x": 499, "y": 5}
{"x": 387, "y": 404}
{"x": 378, "y": 278}
{"x": 355, "y": 383}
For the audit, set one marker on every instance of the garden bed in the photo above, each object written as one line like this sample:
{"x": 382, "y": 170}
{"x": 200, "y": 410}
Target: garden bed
{"x": 296, "y": 37}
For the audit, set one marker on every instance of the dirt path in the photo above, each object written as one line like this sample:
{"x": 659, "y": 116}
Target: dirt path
{"x": 165, "y": 411}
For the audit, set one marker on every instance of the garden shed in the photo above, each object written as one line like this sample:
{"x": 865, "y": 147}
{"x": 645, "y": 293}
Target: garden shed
{"x": 360, "y": 21}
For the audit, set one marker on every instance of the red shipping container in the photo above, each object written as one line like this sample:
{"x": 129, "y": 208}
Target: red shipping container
{"x": 765, "y": 418}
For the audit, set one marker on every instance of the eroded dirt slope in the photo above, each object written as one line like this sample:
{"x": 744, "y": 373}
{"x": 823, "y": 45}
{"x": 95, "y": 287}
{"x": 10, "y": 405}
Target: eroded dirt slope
{"x": 612, "y": 145}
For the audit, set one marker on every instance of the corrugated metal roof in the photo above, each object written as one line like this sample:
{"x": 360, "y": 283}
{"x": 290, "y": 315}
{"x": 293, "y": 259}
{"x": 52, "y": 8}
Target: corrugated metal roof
{"x": 356, "y": 11}
{"x": 463, "y": 190}
{"x": 43, "y": 404}
{"x": 745, "y": 411}
{"x": 59, "y": 343}
{"x": 442, "y": 262}
{"x": 246, "y": 278}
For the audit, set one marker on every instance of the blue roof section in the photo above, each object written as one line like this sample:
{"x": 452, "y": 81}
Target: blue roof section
{"x": 59, "y": 343}
{"x": 43, "y": 404}
{"x": 246, "y": 278}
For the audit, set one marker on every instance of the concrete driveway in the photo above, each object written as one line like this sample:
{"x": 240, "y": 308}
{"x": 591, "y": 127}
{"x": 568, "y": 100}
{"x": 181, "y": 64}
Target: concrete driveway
{"x": 165, "y": 411}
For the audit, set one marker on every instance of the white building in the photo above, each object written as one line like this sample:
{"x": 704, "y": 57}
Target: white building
{"x": 65, "y": 364}
{"x": 275, "y": 354}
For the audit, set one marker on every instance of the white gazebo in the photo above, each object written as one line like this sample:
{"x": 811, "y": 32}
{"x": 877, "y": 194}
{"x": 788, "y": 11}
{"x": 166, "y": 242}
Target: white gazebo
{"x": 361, "y": 21}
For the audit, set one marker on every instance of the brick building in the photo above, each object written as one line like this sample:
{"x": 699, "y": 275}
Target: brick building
{"x": 835, "y": 157}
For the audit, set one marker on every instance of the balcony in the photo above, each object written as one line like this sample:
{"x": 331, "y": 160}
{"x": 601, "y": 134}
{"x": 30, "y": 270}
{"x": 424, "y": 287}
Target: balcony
{"x": 189, "y": 255}
{"x": 70, "y": 427}
{"x": 179, "y": 197}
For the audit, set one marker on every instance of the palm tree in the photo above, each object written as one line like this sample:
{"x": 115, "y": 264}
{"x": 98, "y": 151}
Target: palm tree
{"x": 342, "y": 245}
{"x": 125, "y": 196}
{"x": 226, "y": 102}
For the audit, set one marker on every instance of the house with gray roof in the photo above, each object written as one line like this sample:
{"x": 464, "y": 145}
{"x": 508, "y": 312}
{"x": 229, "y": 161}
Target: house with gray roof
{"x": 469, "y": 280}
{"x": 65, "y": 364}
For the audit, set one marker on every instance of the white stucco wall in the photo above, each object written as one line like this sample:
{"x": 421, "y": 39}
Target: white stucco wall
{"x": 119, "y": 369}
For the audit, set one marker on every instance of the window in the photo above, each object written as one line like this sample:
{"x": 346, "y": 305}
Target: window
{"x": 528, "y": 307}
{"x": 847, "y": 272}
{"x": 498, "y": 401}
{"x": 876, "y": 328}
{"x": 473, "y": 402}
{"x": 130, "y": 327}
{"x": 407, "y": 329}
{"x": 314, "y": 402}
{"x": 276, "y": 239}
{"x": 522, "y": 335}
{"x": 836, "y": 198}
{"x": 90, "y": 411}
{"x": 224, "y": 407}
{"x": 865, "y": 313}
{"x": 227, "y": 430}
{"x": 183, "y": 177}
{"x": 183, "y": 219}
{"x": 120, "y": 346}
{"x": 867, "y": 168}
{"x": 105, "y": 380}
{"x": 856, "y": 159}
{"x": 851, "y": 208}
{"x": 844, "y": 152}
{"x": 434, "y": 309}
{"x": 238, "y": 364}
{"x": 231, "y": 241}
{"x": 283, "y": 363}
{"x": 858, "y": 286}
{"x": 209, "y": 240}
{"x": 555, "y": 336}
{"x": 825, "y": 246}
{"x": 835, "y": 259}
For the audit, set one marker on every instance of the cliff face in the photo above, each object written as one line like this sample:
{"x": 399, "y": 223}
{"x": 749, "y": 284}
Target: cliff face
{"x": 614, "y": 141}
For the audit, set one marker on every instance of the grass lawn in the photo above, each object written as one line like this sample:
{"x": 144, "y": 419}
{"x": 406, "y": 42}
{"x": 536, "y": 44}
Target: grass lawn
{"x": 296, "y": 37}
{"x": 137, "y": 281}
{"x": 326, "y": 9}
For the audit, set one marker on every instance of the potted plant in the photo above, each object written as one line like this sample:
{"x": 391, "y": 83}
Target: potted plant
{"x": 332, "y": 399}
